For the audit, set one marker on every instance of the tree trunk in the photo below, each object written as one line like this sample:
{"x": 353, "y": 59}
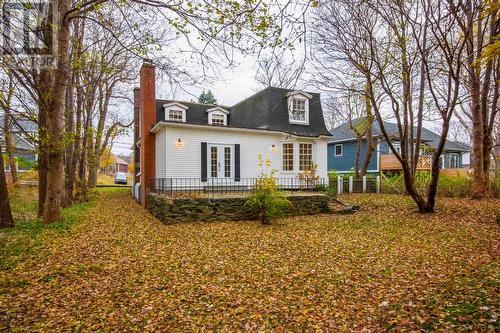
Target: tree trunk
{"x": 70, "y": 128}
{"x": 423, "y": 207}
{"x": 92, "y": 172}
{"x": 479, "y": 186}
{"x": 42, "y": 146}
{"x": 91, "y": 167}
{"x": 55, "y": 142}
{"x": 370, "y": 148}
{"x": 370, "y": 144}
{"x": 6, "y": 220}
{"x": 359, "y": 139}
{"x": 9, "y": 146}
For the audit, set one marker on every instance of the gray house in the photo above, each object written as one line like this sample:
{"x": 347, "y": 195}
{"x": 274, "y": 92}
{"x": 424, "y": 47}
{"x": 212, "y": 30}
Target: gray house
{"x": 342, "y": 148}
{"x": 23, "y": 132}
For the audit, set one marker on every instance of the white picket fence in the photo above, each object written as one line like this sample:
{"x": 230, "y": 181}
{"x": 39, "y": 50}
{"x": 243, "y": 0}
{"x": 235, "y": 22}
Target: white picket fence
{"x": 351, "y": 189}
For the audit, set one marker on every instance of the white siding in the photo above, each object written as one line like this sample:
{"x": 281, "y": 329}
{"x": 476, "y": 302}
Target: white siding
{"x": 320, "y": 156}
{"x": 184, "y": 158}
{"x": 160, "y": 154}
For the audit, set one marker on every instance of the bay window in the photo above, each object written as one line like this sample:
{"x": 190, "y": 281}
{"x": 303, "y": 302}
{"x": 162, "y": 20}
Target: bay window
{"x": 287, "y": 156}
{"x": 305, "y": 156}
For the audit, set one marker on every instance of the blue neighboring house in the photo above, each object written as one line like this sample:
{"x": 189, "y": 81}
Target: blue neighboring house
{"x": 342, "y": 147}
{"x": 23, "y": 132}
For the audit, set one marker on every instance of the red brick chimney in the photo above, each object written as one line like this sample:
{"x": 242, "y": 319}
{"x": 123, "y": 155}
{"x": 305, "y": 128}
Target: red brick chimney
{"x": 147, "y": 107}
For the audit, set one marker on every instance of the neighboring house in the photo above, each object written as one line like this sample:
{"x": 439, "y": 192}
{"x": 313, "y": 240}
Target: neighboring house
{"x": 342, "y": 147}
{"x": 117, "y": 164}
{"x": 203, "y": 143}
{"x": 23, "y": 132}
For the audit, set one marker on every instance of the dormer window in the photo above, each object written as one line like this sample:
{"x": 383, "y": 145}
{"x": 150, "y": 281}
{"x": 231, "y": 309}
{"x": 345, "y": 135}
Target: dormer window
{"x": 298, "y": 107}
{"x": 175, "y": 115}
{"x": 218, "y": 119}
{"x": 175, "y": 112}
{"x": 217, "y": 116}
{"x": 298, "y": 112}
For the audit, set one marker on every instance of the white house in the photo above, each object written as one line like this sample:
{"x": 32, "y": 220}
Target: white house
{"x": 199, "y": 143}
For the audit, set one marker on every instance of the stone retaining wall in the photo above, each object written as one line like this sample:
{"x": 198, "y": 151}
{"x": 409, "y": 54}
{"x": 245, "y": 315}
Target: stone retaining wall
{"x": 170, "y": 210}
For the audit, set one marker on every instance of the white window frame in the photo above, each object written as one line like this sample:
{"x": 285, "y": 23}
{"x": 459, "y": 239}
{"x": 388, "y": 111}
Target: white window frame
{"x": 181, "y": 112}
{"x": 283, "y": 159}
{"x": 299, "y": 154}
{"x": 217, "y": 111}
{"x": 298, "y": 95}
{"x": 341, "y": 145}
{"x": 175, "y": 107}
{"x": 220, "y": 160}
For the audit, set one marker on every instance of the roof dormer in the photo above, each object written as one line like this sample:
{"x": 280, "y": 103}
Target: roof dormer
{"x": 217, "y": 116}
{"x": 175, "y": 112}
{"x": 298, "y": 107}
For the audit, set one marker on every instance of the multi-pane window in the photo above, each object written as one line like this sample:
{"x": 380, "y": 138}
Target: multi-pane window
{"x": 305, "y": 156}
{"x": 298, "y": 112}
{"x": 227, "y": 162}
{"x": 175, "y": 115}
{"x": 213, "y": 161}
{"x": 288, "y": 157}
{"x": 339, "y": 150}
{"x": 218, "y": 119}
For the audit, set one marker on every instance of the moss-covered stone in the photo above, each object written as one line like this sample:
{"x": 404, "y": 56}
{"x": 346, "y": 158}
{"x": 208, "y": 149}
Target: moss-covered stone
{"x": 170, "y": 210}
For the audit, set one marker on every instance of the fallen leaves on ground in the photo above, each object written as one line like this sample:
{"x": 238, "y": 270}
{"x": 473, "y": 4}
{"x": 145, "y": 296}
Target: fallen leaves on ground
{"x": 384, "y": 268}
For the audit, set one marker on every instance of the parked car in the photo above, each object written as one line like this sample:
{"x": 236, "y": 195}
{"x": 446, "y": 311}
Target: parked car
{"x": 121, "y": 178}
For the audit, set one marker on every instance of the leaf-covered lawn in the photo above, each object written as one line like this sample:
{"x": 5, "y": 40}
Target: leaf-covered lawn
{"x": 386, "y": 267}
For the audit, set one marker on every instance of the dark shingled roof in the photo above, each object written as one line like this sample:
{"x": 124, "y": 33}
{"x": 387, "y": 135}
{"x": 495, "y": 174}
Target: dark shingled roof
{"x": 265, "y": 110}
{"x": 344, "y": 133}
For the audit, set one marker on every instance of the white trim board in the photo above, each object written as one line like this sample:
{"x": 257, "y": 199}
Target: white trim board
{"x": 162, "y": 124}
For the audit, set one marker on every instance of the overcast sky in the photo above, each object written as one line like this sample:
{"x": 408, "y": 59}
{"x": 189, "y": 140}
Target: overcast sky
{"x": 235, "y": 84}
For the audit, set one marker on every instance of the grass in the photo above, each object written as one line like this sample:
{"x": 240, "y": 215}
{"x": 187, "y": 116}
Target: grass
{"x": 449, "y": 186}
{"x": 384, "y": 268}
{"x": 23, "y": 242}
{"x": 105, "y": 179}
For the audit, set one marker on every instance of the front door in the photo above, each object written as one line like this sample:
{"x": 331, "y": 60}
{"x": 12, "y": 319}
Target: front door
{"x": 220, "y": 161}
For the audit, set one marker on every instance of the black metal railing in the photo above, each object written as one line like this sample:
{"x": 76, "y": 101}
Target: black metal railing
{"x": 178, "y": 187}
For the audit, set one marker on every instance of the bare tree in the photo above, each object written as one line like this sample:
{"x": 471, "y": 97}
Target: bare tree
{"x": 220, "y": 30}
{"x": 479, "y": 23}
{"x": 6, "y": 93}
{"x": 355, "y": 109}
{"x": 411, "y": 52}
{"x": 6, "y": 220}
{"x": 277, "y": 71}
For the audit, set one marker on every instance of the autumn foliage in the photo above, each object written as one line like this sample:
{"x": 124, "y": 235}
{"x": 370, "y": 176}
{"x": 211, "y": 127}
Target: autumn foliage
{"x": 384, "y": 268}
{"x": 267, "y": 202}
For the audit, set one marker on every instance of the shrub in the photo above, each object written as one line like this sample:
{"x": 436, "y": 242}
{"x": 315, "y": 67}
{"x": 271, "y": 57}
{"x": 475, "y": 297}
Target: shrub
{"x": 309, "y": 178}
{"x": 267, "y": 202}
{"x": 448, "y": 186}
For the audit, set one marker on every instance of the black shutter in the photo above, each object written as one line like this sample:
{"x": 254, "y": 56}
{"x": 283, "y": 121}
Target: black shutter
{"x": 203, "y": 161}
{"x": 237, "y": 174}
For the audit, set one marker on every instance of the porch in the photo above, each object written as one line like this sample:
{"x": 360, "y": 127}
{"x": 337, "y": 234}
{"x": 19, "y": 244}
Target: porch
{"x": 389, "y": 162}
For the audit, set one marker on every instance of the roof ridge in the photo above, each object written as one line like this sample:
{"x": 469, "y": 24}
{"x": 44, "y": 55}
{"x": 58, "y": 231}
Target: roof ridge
{"x": 251, "y": 96}
{"x": 189, "y": 102}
